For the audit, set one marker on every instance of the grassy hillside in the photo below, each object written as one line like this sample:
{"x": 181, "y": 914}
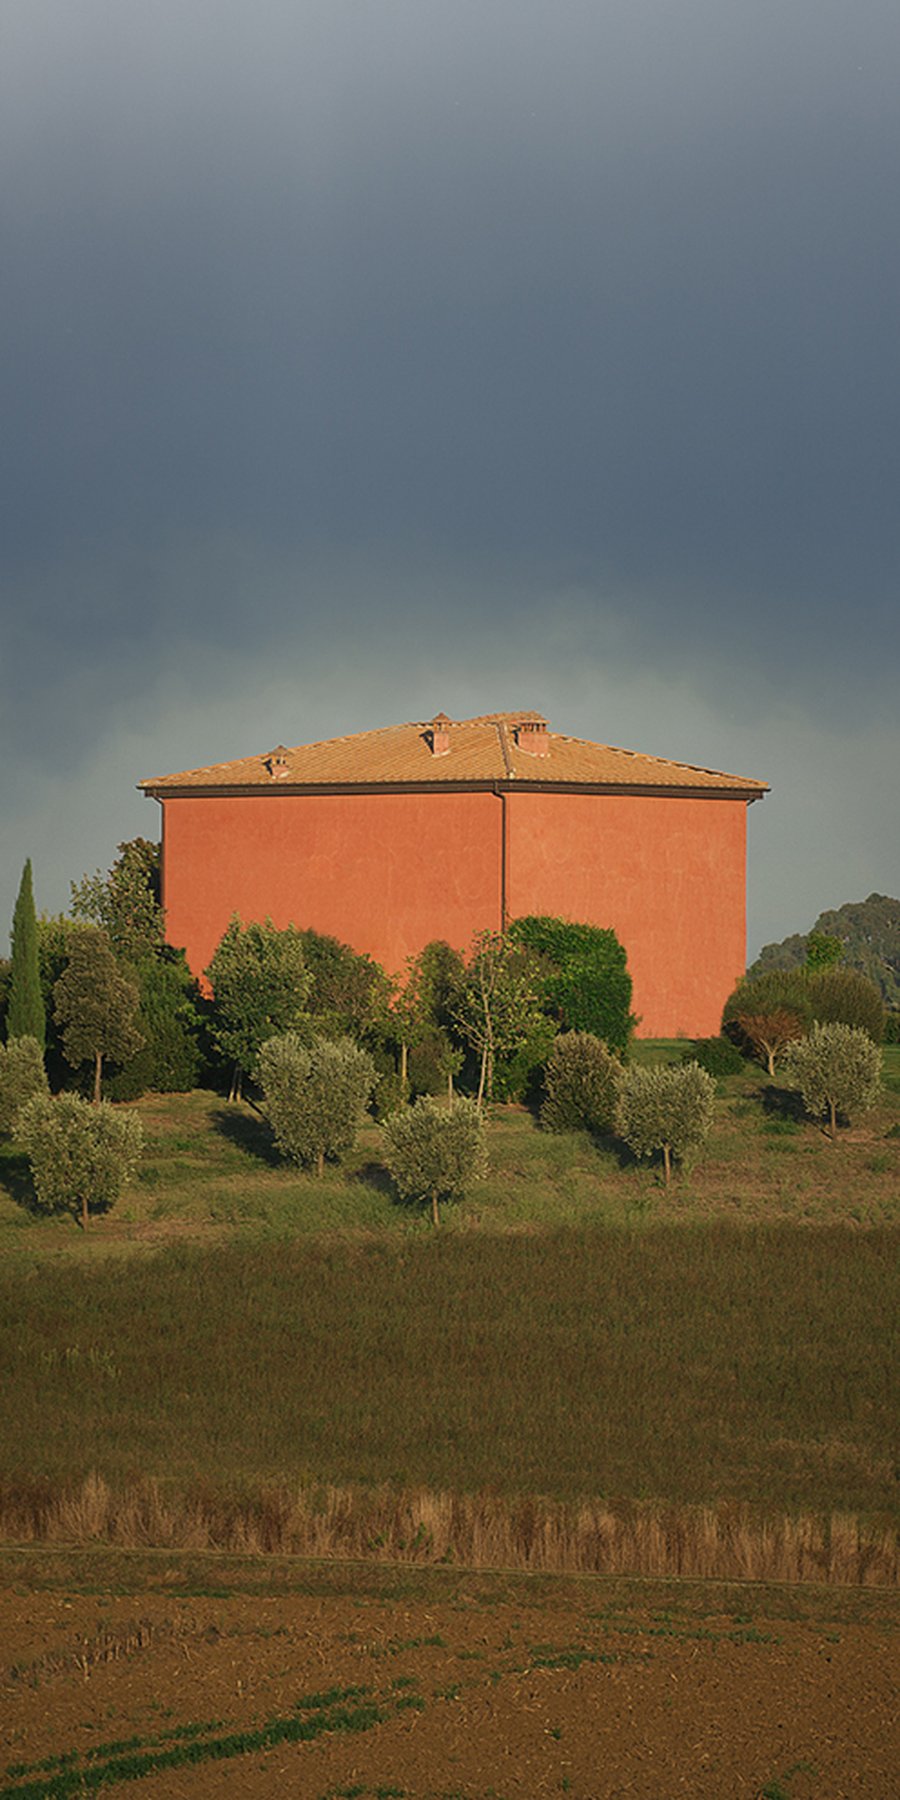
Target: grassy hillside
{"x": 574, "y": 1331}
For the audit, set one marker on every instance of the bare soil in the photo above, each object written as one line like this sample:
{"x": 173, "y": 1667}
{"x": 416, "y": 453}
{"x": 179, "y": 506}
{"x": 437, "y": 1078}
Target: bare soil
{"x": 485, "y": 1690}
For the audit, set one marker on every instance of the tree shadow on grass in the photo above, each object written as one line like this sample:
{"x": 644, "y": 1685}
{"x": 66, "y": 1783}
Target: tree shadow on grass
{"x": 375, "y": 1175}
{"x": 15, "y": 1180}
{"x": 783, "y": 1103}
{"x": 249, "y": 1133}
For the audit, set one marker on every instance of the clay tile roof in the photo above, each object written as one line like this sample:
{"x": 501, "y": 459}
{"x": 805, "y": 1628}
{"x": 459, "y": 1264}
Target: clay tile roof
{"x": 482, "y": 750}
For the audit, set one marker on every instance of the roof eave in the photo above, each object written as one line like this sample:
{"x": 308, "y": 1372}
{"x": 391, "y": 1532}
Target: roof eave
{"x": 164, "y": 790}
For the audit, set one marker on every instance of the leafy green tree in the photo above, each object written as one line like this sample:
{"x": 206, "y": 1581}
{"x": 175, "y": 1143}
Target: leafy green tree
{"x": 585, "y": 984}
{"x": 96, "y": 1006}
{"x": 125, "y": 902}
{"x": 498, "y": 1011}
{"x": 55, "y": 935}
{"x": 314, "y": 1096}
{"x": 422, "y": 1022}
{"x": 25, "y": 1012}
{"x": 822, "y": 951}
{"x": 837, "y": 1069}
{"x": 349, "y": 992}
{"x": 435, "y": 1152}
{"x": 260, "y": 985}
{"x": 669, "y": 1108}
{"x": 581, "y": 1083}
{"x": 22, "y": 1075}
{"x": 168, "y": 1017}
{"x": 81, "y": 1156}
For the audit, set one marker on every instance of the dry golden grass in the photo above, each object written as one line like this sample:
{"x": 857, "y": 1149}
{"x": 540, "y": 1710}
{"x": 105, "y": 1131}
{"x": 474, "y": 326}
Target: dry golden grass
{"x": 725, "y": 1542}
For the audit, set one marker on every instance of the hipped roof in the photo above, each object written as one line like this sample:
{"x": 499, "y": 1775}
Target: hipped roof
{"x": 482, "y": 752}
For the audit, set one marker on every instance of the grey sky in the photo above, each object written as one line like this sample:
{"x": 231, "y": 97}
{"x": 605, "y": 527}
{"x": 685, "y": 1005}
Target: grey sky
{"x": 364, "y": 359}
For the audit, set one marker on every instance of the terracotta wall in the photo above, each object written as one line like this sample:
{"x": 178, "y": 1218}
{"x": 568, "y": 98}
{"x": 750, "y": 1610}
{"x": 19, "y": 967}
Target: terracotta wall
{"x": 383, "y": 872}
{"x": 388, "y": 872}
{"x": 667, "y": 874}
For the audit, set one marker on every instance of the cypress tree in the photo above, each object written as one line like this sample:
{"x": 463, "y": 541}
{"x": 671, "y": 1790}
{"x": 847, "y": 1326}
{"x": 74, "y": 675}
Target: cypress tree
{"x": 25, "y": 1017}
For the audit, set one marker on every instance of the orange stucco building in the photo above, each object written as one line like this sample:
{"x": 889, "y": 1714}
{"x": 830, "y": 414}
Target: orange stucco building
{"x": 442, "y": 828}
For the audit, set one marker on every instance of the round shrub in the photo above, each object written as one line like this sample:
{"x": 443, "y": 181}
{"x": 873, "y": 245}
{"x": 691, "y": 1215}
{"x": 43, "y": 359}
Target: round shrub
{"x": 845, "y": 997}
{"x": 668, "y": 1109}
{"x": 81, "y": 1156}
{"x": 837, "y": 1069}
{"x": 314, "y": 1096}
{"x": 22, "y": 1076}
{"x": 435, "y": 1152}
{"x": 581, "y": 1084}
{"x": 717, "y": 1055}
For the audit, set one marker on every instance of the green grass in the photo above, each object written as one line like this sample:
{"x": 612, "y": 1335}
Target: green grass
{"x": 56, "y": 1778}
{"x": 574, "y": 1329}
{"x": 210, "y": 1171}
{"x": 692, "y": 1364}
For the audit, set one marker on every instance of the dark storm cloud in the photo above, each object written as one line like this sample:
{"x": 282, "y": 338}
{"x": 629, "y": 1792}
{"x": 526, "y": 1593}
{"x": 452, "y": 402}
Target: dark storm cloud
{"x": 343, "y": 328}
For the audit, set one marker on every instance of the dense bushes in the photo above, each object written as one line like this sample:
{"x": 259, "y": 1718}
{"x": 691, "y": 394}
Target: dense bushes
{"x": 766, "y": 1013}
{"x": 581, "y": 1083}
{"x": 845, "y": 997}
{"x": 717, "y": 1055}
{"x": 585, "y": 984}
{"x": 314, "y": 1097}
{"x": 81, "y": 1156}
{"x": 435, "y": 1152}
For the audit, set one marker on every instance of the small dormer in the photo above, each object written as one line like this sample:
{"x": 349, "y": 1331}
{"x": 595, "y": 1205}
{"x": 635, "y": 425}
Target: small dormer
{"x": 438, "y": 735}
{"x": 532, "y": 736}
{"x": 277, "y": 763}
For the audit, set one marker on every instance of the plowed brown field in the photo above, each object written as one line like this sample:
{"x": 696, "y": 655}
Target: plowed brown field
{"x": 447, "y": 1687}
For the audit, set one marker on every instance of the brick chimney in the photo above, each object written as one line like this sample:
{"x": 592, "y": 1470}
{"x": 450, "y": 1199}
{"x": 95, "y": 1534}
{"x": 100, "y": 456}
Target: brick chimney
{"x": 438, "y": 735}
{"x": 277, "y": 763}
{"x": 531, "y": 736}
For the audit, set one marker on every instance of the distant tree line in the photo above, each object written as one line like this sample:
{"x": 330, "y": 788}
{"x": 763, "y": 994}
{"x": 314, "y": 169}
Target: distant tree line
{"x": 867, "y": 934}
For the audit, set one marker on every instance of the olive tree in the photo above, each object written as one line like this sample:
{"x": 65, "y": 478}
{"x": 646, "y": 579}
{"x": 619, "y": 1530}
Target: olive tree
{"x": 81, "y": 1156}
{"x": 22, "y": 1075}
{"x": 581, "y": 1084}
{"x": 314, "y": 1096}
{"x": 668, "y": 1109}
{"x": 837, "y": 1069}
{"x": 435, "y": 1152}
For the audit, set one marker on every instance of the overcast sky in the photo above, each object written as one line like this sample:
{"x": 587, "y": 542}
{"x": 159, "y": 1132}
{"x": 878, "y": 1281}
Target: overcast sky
{"x": 366, "y": 358}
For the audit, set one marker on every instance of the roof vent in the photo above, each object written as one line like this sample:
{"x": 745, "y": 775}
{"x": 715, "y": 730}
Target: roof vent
{"x": 438, "y": 736}
{"x": 532, "y": 736}
{"x": 277, "y": 763}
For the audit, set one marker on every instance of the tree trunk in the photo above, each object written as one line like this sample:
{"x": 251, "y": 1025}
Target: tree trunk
{"x": 435, "y": 1215}
{"x": 482, "y": 1076}
{"x": 770, "y": 1061}
{"x": 832, "y": 1110}
{"x": 667, "y": 1164}
{"x": 320, "y": 1163}
{"x": 98, "y": 1071}
{"x": 450, "y": 1088}
{"x": 234, "y": 1092}
{"x": 404, "y": 1066}
{"x": 84, "y": 1212}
